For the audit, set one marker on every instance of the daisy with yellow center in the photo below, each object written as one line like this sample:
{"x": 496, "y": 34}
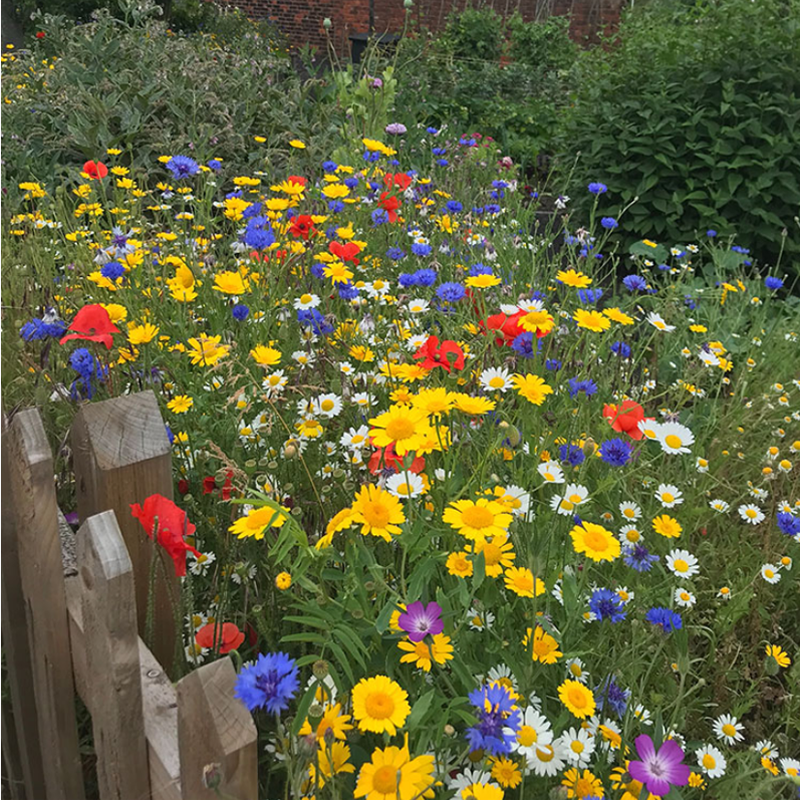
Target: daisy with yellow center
{"x": 459, "y": 564}
{"x": 378, "y": 512}
{"x": 591, "y": 320}
{"x": 595, "y": 542}
{"x": 380, "y": 704}
{"x": 478, "y": 519}
{"x": 257, "y": 520}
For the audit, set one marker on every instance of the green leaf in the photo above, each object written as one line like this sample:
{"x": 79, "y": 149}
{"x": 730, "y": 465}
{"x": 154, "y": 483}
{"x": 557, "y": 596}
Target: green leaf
{"x": 302, "y": 708}
{"x": 419, "y": 709}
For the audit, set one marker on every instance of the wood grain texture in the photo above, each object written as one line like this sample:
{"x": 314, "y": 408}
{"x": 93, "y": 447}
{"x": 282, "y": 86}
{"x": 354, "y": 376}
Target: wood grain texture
{"x": 122, "y": 455}
{"x": 159, "y": 703}
{"x": 111, "y": 643}
{"x": 16, "y": 647}
{"x": 214, "y": 727}
{"x": 42, "y": 582}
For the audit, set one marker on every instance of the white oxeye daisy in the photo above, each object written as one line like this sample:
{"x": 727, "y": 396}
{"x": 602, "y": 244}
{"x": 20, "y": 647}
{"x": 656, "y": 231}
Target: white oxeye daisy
{"x": 791, "y": 767}
{"x": 786, "y": 563}
{"x": 630, "y": 511}
{"x": 480, "y": 620}
{"x": 625, "y": 594}
{"x": 719, "y": 505}
{"x": 303, "y": 358}
{"x": 642, "y": 714}
{"x": 576, "y": 670}
{"x": 355, "y": 438}
{"x": 630, "y": 535}
{"x": 682, "y": 563}
{"x": 306, "y": 301}
{"x": 200, "y": 564}
{"x": 701, "y": 465}
{"x": 403, "y": 484}
{"x": 329, "y": 405}
{"x": 711, "y": 761}
{"x": 724, "y": 593}
{"x": 657, "y": 321}
{"x": 578, "y": 746}
{"x": 674, "y": 438}
{"x": 766, "y": 748}
{"x": 502, "y": 674}
{"x": 684, "y": 598}
{"x": 551, "y": 472}
{"x": 770, "y": 573}
{"x": 361, "y": 399}
{"x": 495, "y": 380}
{"x": 649, "y": 428}
{"x": 751, "y": 514}
{"x": 547, "y": 759}
{"x": 728, "y": 729}
{"x": 418, "y": 305}
{"x": 669, "y": 495}
{"x": 784, "y": 465}
{"x": 533, "y": 731}
{"x": 517, "y": 499}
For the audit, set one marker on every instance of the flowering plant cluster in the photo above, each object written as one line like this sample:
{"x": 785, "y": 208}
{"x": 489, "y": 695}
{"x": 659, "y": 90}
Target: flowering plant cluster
{"x": 487, "y": 508}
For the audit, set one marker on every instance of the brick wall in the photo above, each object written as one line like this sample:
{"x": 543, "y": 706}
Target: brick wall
{"x": 301, "y": 20}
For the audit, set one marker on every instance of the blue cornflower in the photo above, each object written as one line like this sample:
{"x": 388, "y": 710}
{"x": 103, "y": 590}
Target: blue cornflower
{"x": 312, "y": 318}
{"x": 610, "y": 691}
{"x": 489, "y": 733}
{"x": 493, "y": 208}
{"x": 451, "y": 292}
{"x": 438, "y": 151}
{"x": 666, "y": 618}
{"x": 432, "y": 131}
{"x": 621, "y": 349}
{"x": 589, "y": 296}
{"x": 88, "y": 369}
{"x": 214, "y": 164}
{"x": 39, "y": 329}
{"x": 254, "y": 210}
{"x": 442, "y": 162}
{"x": 421, "y": 249}
{"x": 335, "y": 206}
{"x": 663, "y": 267}
{"x": 371, "y": 156}
{"x": 113, "y": 270}
{"x": 597, "y": 188}
{"x": 453, "y": 206}
{"x": 479, "y": 269}
{"x": 379, "y": 217}
{"x": 240, "y": 312}
{"x": 350, "y": 183}
{"x": 258, "y": 234}
{"x": 738, "y": 249}
{"x": 82, "y": 361}
{"x": 615, "y": 452}
{"x": 587, "y": 386}
{"x": 607, "y": 604}
{"x": 318, "y": 270}
{"x": 772, "y": 283}
{"x": 182, "y": 167}
{"x": 711, "y": 233}
{"x": 572, "y": 454}
{"x": 329, "y": 166}
{"x": 347, "y": 291}
{"x": 788, "y": 523}
{"x": 425, "y": 277}
{"x": 170, "y": 434}
{"x": 395, "y": 253}
{"x": 640, "y": 558}
{"x": 552, "y": 365}
{"x": 634, "y": 283}
{"x": 407, "y": 280}
{"x": 609, "y": 223}
{"x": 524, "y": 345}
{"x": 690, "y": 302}
{"x": 269, "y": 683}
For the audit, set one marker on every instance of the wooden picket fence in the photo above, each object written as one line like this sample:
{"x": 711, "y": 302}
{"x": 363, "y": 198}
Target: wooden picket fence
{"x": 153, "y": 738}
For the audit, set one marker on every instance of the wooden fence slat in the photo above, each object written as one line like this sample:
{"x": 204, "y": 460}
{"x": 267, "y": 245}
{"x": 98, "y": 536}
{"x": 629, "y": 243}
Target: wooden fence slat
{"x": 32, "y": 488}
{"x": 159, "y": 703}
{"x": 214, "y": 727}
{"x": 122, "y": 455}
{"x": 111, "y": 644}
{"x": 17, "y": 650}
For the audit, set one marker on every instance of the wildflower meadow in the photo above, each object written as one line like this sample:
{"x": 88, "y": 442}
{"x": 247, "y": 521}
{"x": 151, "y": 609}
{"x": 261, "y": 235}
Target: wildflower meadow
{"x": 482, "y": 501}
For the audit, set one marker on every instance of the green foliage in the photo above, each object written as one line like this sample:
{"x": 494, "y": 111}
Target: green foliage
{"x": 135, "y": 84}
{"x": 695, "y": 111}
{"x": 544, "y": 45}
{"x": 474, "y": 33}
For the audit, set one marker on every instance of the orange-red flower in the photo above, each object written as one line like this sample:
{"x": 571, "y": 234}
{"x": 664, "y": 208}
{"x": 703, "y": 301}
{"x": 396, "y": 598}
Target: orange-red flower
{"x": 386, "y": 458}
{"x": 399, "y": 179}
{"x": 95, "y": 170}
{"x": 345, "y": 252}
{"x": 302, "y": 226}
{"x": 227, "y": 637}
{"x": 625, "y": 418}
{"x": 160, "y": 516}
{"x": 389, "y": 203}
{"x": 92, "y": 324}
{"x": 437, "y": 355}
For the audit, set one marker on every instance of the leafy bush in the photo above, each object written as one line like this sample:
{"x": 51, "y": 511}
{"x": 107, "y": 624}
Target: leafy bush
{"x": 696, "y": 111}
{"x": 474, "y": 33}
{"x": 122, "y": 83}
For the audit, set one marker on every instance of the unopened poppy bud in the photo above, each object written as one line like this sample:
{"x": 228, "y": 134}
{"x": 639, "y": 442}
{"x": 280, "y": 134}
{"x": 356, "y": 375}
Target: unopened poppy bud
{"x": 514, "y": 436}
{"x": 290, "y": 451}
{"x": 212, "y": 776}
{"x": 320, "y": 669}
{"x": 326, "y": 23}
{"x": 408, "y": 3}
{"x": 589, "y": 446}
{"x": 307, "y": 745}
{"x": 449, "y": 730}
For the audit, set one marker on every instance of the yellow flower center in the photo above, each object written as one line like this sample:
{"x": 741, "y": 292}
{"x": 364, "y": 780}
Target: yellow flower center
{"x": 492, "y": 554}
{"x": 680, "y": 565}
{"x": 306, "y": 298}
{"x": 632, "y": 535}
{"x": 400, "y": 428}
{"x": 575, "y": 670}
{"x": 629, "y": 513}
{"x": 527, "y": 736}
{"x": 709, "y": 761}
{"x": 667, "y": 497}
{"x": 575, "y": 498}
{"x": 769, "y": 573}
{"x": 548, "y": 476}
{"x": 384, "y": 781}
{"x": 576, "y": 697}
{"x": 477, "y": 517}
{"x": 375, "y": 513}
{"x": 577, "y": 746}
{"x": 750, "y": 513}
{"x": 496, "y": 383}
{"x": 594, "y": 540}
{"x": 728, "y": 729}
{"x": 566, "y": 505}
{"x": 546, "y": 754}
{"x": 327, "y": 405}
{"x": 379, "y": 705}
{"x": 673, "y": 441}
{"x": 541, "y": 647}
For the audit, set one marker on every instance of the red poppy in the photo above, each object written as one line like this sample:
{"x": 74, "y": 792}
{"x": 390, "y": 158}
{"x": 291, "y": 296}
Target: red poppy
{"x": 183, "y": 486}
{"x": 345, "y": 252}
{"x": 436, "y": 355}
{"x": 302, "y": 226}
{"x": 389, "y": 203}
{"x": 95, "y": 170}
{"x": 625, "y": 418}
{"x": 93, "y": 324}
{"x": 40, "y": 34}
{"x": 399, "y": 179}
{"x": 160, "y": 515}
{"x": 297, "y": 179}
{"x": 209, "y": 484}
{"x": 227, "y": 636}
{"x": 386, "y": 458}
{"x": 227, "y": 487}
{"x": 506, "y": 326}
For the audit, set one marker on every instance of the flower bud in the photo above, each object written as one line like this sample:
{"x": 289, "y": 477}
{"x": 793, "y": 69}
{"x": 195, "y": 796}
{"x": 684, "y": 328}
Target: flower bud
{"x": 320, "y": 669}
{"x": 589, "y": 446}
{"x": 326, "y": 23}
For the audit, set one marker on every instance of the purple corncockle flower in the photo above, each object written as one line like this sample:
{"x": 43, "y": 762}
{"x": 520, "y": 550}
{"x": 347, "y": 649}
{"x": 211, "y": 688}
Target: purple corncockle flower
{"x": 420, "y": 620}
{"x": 661, "y": 770}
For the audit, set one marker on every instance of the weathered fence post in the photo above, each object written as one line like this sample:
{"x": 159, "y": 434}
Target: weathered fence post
{"x": 111, "y": 643}
{"x": 215, "y": 728}
{"x": 121, "y": 456}
{"x": 29, "y": 481}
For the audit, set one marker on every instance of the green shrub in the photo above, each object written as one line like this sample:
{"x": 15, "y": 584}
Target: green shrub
{"x": 696, "y": 111}
{"x": 474, "y": 33}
